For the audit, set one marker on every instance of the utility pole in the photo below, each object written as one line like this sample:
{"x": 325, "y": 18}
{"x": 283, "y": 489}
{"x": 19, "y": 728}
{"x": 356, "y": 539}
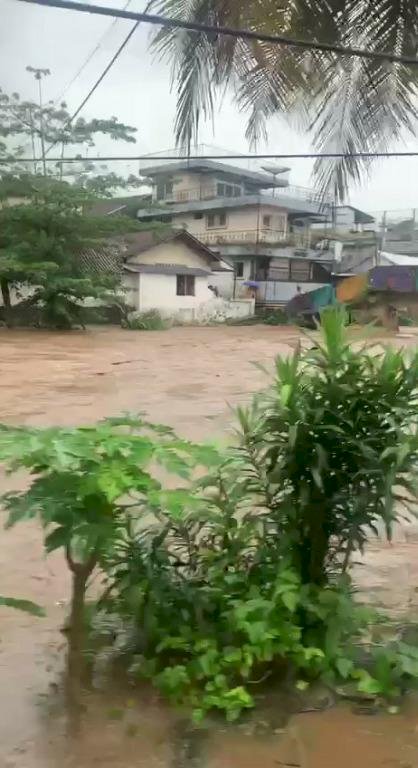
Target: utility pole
{"x": 38, "y": 75}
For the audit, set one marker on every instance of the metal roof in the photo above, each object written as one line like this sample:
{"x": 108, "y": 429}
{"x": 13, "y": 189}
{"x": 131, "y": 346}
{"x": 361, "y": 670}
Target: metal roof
{"x": 400, "y": 260}
{"x": 360, "y": 217}
{"x": 282, "y": 201}
{"x": 166, "y": 269}
{"x": 263, "y": 180}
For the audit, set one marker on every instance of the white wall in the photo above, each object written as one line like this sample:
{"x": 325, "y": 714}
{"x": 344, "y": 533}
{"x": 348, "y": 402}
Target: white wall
{"x": 159, "y": 292}
{"x": 224, "y": 282}
{"x": 130, "y": 284}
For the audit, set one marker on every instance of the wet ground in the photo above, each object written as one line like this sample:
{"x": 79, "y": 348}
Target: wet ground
{"x": 188, "y": 378}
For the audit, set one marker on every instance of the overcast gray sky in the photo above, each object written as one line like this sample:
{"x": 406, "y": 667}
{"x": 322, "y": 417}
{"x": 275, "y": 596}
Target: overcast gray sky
{"x": 137, "y": 91}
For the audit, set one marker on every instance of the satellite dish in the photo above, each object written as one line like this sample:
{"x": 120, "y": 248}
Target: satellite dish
{"x": 275, "y": 169}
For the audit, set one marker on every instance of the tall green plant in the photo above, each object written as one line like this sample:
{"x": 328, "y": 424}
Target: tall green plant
{"x": 334, "y": 443}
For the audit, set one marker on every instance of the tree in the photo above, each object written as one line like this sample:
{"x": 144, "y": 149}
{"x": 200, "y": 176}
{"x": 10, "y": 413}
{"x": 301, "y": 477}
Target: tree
{"x": 41, "y": 243}
{"x": 50, "y": 127}
{"x": 85, "y": 484}
{"x": 348, "y": 104}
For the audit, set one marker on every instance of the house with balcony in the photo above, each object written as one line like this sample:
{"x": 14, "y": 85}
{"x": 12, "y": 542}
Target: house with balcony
{"x": 252, "y": 219}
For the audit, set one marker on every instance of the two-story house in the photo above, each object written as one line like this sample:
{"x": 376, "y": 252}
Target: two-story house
{"x": 252, "y": 219}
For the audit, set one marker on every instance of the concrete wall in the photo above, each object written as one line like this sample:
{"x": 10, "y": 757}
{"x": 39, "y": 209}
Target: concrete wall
{"x": 248, "y": 218}
{"x": 130, "y": 285}
{"x": 224, "y": 282}
{"x": 218, "y": 310}
{"x": 159, "y": 292}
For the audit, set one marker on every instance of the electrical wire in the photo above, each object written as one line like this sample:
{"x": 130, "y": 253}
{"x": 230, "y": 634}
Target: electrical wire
{"x": 244, "y": 34}
{"x": 90, "y": 56}
{"x": 97, "y": 83}
{"x": 190, "y": 158}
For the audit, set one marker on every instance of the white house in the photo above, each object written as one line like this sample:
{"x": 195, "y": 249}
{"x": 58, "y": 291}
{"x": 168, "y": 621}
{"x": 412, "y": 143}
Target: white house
{"x": 177, "y": 274}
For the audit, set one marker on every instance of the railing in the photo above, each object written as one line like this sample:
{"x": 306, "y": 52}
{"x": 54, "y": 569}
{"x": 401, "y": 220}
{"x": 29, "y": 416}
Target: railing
{"x": 309, "y": 195}
{"x": 241, "y": 236}
{"x": 210, "y": 191}
{"x": 190, "y": 195}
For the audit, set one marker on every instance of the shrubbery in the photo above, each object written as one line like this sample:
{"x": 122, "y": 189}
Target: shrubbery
{"x": 151, "y": 320}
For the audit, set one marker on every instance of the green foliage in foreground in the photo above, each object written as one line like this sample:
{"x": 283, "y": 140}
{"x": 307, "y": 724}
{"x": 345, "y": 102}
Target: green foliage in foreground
{"x": 84, "y": 483}
{"x": 242, "y": 576}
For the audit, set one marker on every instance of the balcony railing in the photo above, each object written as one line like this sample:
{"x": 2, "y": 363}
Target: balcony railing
{"x": 210, "y": 191}
{"x": 300, "y": 240}
{"x": 307, "y": 194}
{"x": 242, "y": 236}
{"x": 189, "y": 195}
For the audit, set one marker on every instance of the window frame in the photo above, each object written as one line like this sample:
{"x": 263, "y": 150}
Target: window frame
{"x": 239, "y": 269}
{"x": 189, "y": 285}
{"x": 219, "y": 220}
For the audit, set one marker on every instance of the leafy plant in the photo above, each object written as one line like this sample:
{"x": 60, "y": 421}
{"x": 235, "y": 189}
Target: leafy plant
{"x": 41, "y": 249}
{"x": 151, "y": 320}
{"x": 276, "y": 317}
{"x": 85, "y": 484}
{"x": 334, "y": 443}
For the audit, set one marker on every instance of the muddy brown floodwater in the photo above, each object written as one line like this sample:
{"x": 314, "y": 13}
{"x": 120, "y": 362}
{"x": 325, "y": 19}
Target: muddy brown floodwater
{"x": 188, "y": 378}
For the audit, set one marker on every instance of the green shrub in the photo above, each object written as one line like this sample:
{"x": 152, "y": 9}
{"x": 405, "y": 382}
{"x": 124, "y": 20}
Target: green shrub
{"x": 275, "y": 317}
{"x": 145, "y": 321}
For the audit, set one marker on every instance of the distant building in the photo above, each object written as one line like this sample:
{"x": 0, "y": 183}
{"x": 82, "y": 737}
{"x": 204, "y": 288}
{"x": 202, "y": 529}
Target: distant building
{"x": 252, "y": 219}
{"x": 170, "y": 271}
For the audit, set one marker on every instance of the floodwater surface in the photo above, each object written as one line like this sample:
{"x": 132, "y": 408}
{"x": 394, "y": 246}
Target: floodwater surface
{"x": 188, "y": 378}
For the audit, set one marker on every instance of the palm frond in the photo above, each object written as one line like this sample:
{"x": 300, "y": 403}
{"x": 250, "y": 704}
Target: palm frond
{"x": 348, "y": 104}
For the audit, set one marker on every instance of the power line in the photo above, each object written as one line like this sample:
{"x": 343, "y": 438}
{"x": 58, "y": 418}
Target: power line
{"x": 90, "y": 55}
{"x": 175, "y": 158}
{"x": 100, "y": 78}
{"x": 244, "y": 34}
{"x": 97, "y": 83}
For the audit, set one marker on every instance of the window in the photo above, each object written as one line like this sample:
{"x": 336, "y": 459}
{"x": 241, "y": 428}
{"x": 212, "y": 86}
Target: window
{"x": 185, "y": 285}
{"x": 300, "y": 270}
{"x": 215, "y": 220}
{"x": 228, "y": 190}
{"x": 164, "y": 189}
{"x": 239, "y": 268}
{"x": 267, "y": 221}
{"x": 198, "y": 215}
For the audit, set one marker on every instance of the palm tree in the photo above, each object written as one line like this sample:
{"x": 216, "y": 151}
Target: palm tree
{"x": 347, "y": 104}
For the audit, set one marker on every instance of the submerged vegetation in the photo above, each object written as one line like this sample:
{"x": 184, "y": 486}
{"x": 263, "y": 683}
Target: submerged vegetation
{"x": 238, "y": 575}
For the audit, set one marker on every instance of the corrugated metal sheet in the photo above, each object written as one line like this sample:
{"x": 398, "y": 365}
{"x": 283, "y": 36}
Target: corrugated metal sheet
{"x": 352, "y": 288}
{"x": 281, "y": 291}
{"x": 399, "y": 279}
{"x": 322, "y": 297}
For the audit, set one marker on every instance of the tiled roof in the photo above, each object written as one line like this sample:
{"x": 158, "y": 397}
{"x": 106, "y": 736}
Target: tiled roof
{"x": 108, "y": 259}
{"x": 114, "y": 256}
